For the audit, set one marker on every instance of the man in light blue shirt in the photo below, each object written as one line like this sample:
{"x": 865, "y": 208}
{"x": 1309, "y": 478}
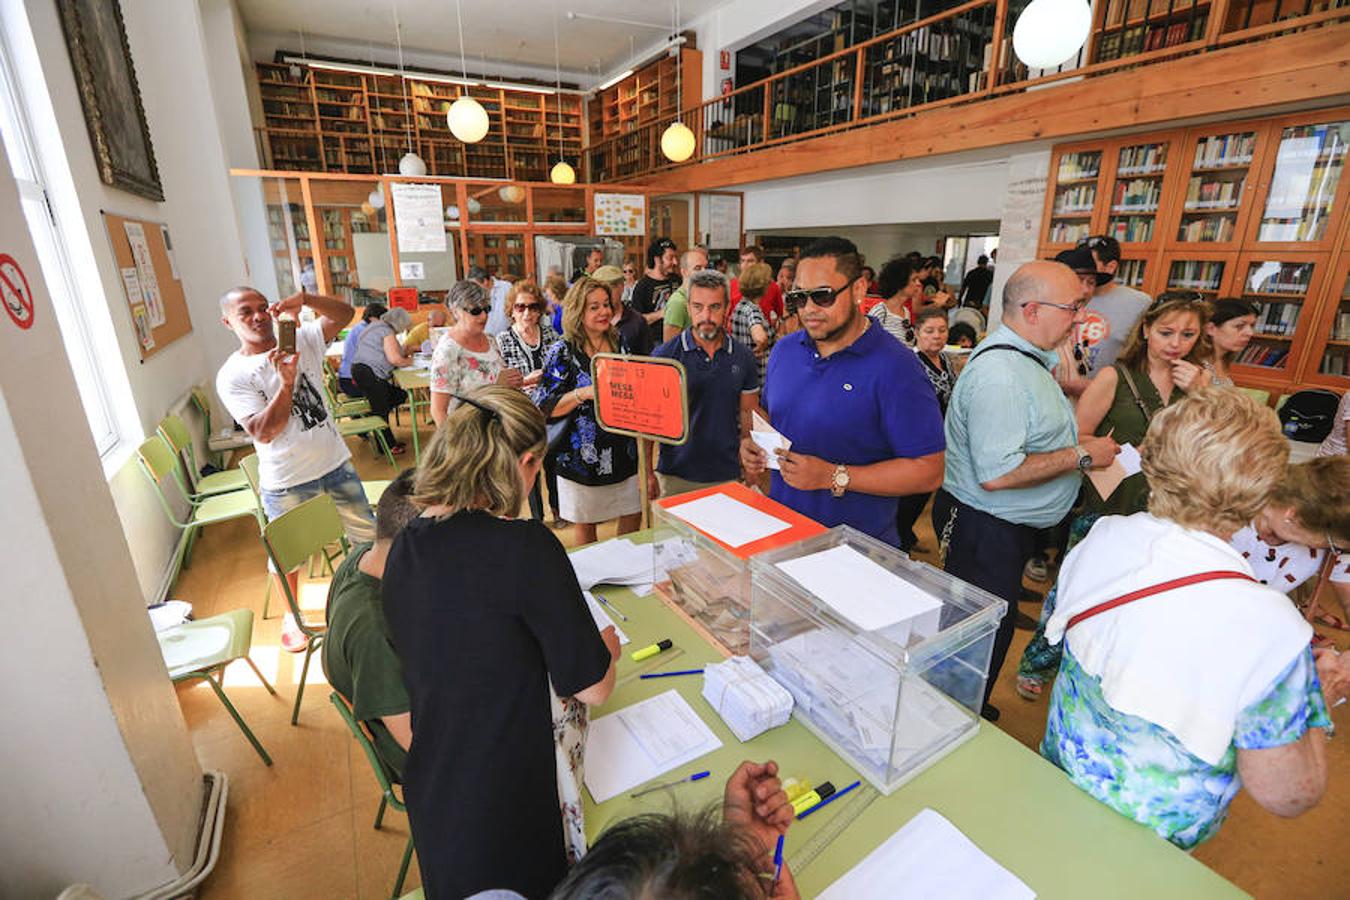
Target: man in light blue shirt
{"x": 1013, "y": 451}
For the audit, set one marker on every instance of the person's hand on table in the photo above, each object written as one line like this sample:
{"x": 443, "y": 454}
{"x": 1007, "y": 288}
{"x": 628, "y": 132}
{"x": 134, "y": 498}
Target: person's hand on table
{"x": 805, "y": 473}
{"x": 754, "y": 802}
{"x": 1333, "y": 670}
{"x": 753, "y": 459}
{"x": 1187, "y": 375}
{"x": 286, "y": 364}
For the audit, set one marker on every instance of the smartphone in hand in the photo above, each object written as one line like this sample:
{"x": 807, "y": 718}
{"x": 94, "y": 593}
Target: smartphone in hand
{"x": 286, "y": 334}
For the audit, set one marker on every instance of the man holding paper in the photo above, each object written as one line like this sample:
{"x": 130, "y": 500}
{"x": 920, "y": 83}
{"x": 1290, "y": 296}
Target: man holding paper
{"x": 723, "y": 385}
{"x": 853, "y": 404}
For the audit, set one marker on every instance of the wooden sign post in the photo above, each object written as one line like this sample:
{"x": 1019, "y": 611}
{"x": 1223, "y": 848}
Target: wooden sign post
{"x": 644, "y": 397}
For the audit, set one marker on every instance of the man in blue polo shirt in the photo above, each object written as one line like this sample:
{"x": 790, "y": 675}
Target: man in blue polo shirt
{"x": 723, "y": 383}
{"x": 855, "y": 403}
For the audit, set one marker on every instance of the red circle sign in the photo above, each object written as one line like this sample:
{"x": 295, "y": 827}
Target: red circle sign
{"x": 14, "y": 291}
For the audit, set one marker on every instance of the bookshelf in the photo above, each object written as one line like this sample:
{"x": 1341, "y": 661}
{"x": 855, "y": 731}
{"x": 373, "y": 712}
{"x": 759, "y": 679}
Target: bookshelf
{"x": 1299, "y": 204}
{"x": 1139, "y": 185}
{"x": 1214, "y": 201}
{"x": 1129, "y": 27}
{"x": 1280, "y": 286}
{"x": 1329, "y": 360}
{"x": 1208, "y": 274}
{"x": 328, "y": 121}
{"x": 646, "y": 96}
{"x": 1071, "y": 202}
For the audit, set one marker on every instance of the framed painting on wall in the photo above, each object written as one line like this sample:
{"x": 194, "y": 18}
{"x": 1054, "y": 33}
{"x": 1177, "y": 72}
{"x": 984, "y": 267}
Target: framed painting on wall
{"x": 101, "y": 57}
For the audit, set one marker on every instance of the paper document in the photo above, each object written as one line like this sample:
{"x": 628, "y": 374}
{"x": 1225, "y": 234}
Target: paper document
{"x": 617, "y": 561}
{"x": 601, "y": 616}
{"x": 728, "y": 520}
{"x": 767, "y": 439}
{"x": 642, "y": 742}
{"x": 1125, "y": 464}
{"x": 1128, "y": 457}
{"x": 928, "y": 857}
{"x": 746, "y": 698}
{"x": 865, "y": 593}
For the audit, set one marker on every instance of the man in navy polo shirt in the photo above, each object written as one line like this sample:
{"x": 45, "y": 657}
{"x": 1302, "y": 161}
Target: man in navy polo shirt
{"x": 723, "y": 383}
{"x": 855, "y": 403}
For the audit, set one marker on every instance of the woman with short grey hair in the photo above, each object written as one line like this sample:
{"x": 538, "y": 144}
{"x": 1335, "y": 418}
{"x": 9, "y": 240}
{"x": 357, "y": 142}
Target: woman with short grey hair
{"x": 377, "y": 352}
{"x": 466, "y": 356}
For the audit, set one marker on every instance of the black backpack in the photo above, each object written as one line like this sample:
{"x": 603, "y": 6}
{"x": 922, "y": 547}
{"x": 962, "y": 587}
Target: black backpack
{"x": 1309, "y": 415}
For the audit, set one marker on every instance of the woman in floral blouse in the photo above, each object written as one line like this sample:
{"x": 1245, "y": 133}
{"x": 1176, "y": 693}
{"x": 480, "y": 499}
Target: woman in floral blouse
{"x": 467, "y": 357}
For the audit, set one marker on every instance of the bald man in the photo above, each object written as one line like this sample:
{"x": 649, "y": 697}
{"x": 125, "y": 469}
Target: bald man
{"x": 1014, "y": 456}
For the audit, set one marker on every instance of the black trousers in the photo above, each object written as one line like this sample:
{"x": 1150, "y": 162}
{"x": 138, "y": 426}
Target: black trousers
{"x": 988, "y": 552}
{"x": 906, "y": 514}
{"x": 550, "y": 478}
{"x": 349, "y": 387}
{"x": 383, "y": 396}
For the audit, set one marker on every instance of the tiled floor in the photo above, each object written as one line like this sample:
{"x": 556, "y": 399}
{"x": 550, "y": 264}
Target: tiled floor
{"x": 303, "y": 827}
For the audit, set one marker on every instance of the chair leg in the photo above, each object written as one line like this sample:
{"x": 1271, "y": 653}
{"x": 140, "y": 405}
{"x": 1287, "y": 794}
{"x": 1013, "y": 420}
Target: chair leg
{"x": 238, "y": 720}
{"x": 379, "y": 814}
{"x": 189, "y": 541}
{"x": 300, "y": 691}
{"x": 267, "y": 594}
{"x": 384, "y": 445}
{"x": 256, "y": 671}
{"x": 403, "y": 868}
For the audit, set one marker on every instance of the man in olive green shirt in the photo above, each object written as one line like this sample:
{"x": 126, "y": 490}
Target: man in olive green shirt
{"x": 677, "y": 318}
{"x": 358, "y": 657}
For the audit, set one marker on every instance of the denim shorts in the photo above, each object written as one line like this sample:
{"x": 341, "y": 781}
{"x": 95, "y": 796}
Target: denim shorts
{"x": 344, "y": 486}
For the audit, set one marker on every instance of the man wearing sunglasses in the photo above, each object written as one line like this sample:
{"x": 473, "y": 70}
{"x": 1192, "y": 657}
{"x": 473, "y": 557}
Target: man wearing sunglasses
{"x": 1014, "y": 456}
{"x": 859, "y": 411}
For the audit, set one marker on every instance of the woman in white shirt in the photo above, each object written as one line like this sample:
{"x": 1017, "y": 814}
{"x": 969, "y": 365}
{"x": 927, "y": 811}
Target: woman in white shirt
{"x": 466, "y": 356}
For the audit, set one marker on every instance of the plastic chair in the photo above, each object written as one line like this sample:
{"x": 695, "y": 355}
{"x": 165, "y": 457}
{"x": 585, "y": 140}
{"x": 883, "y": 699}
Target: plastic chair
{"x": 1260, "y": 396}
{"x": 216, "y": 444}
{"x": 202, "y": 650}
{"x": 383, "y": 774}
{"x": 158, "y": 463}
{"x": 291, "y": 539}
{"x": 342, "y": 405}
{"x": 175, "y": 433}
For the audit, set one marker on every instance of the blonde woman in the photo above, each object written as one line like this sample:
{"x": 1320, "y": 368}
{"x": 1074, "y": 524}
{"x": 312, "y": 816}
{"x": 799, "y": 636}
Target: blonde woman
{"x": 597, "y": 471}
{"x": 500, "y": 659}
{"x": 1184, "y": 679}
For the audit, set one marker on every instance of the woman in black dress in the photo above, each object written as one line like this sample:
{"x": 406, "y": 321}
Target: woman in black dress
{"x": 482, "y": 637}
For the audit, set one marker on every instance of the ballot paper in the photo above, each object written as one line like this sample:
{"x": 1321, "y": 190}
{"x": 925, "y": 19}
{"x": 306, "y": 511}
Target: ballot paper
{"x": 728, "y": 520}
{"x": 618, "y": 561}
{"x": 865, "y": 593}
{"x": 1107, "y": 479}
{"x": 642, "y": 742}
{"x": 746, "y": 698}
{"x": 767, "y": 438}
{"x": 601, "y": 616}
{"x": 1128, "y": 457}
{"x": 928, "y": 857}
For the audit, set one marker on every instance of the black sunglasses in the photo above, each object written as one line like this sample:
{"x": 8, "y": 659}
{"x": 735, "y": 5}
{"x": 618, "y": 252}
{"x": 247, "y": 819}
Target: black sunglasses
{"x": 525, "y": 307}
{"x": 823, "y": 297}
{"x": 1078, "y": 357}
{"x": 477, "y": 310}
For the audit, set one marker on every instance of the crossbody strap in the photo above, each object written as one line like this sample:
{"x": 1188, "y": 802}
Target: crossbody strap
{"x": 1134, "y": 392}
{"x": 1198, "y": 578}
{"x": 1027, "y": 353}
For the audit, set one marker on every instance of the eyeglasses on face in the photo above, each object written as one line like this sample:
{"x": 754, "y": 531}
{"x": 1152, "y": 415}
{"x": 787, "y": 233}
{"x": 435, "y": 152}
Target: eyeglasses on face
{"x": 823, "y": 297}
{"x": 528, "y": 307}
{"x": 1074, "y": 308}
{"x": 478, "y": 310}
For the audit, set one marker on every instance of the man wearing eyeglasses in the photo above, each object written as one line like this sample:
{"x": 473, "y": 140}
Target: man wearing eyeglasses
{"x": 1013, "y": 450}
{"x": 859, "y": 411}
{"x": 1115, "y": 306}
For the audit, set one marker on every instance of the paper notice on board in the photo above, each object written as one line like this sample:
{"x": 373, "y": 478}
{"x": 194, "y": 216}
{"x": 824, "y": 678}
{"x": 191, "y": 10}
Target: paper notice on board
{"x": 418, "y": 217}
{"x": 412, "y": 271}
{"x": 168, "y": 250}
{"x": 145, "y": 271}
{"x": 145, "y": 332}
{"x": 620, "y": 214}
{"x": 131, "y": 283}
{"x": 724, "y": 225}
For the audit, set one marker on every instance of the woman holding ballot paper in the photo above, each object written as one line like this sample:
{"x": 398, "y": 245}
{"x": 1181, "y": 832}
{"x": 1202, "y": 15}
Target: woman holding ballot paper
{"x": 500, "y": 659}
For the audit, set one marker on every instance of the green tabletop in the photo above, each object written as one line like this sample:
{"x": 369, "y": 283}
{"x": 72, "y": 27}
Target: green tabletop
{"x": 1015, "y": 806}
{"x": 415, "y": 382}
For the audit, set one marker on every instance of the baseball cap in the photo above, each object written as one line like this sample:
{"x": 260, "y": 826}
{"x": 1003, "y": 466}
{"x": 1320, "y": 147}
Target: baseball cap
{"x": 607, "y": 274}
{"x": 1081, "y": 261}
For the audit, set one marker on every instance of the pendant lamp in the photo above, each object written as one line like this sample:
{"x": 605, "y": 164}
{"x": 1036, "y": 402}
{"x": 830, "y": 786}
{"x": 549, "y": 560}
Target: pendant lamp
{"x": 411, "y": 164}
{"x": 466, "y": 117}
{"x": 561, "y": 173}
{"x": 1049, "y": 33}
{"x": 677, "y": 142}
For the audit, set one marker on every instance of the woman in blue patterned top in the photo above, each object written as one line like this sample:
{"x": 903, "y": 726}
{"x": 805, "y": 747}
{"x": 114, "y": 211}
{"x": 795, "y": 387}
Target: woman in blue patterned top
{"x": 1166, "y": 706}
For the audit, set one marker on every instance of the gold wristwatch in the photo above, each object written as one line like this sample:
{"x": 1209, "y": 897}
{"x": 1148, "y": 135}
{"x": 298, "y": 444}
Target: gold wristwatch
{"x": 840, "y": 481}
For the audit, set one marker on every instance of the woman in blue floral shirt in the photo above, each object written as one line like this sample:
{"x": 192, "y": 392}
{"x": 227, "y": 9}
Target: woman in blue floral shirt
{"x": 1167, "y": 705}
{"x": 597, "y": 471}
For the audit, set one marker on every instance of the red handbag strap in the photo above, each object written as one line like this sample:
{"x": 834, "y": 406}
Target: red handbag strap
{"x": 1198, "y": 578}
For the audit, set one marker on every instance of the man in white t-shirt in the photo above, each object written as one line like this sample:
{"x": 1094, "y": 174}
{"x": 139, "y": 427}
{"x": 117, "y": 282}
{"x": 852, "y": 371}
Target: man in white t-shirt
{"x": 278, "y": 398}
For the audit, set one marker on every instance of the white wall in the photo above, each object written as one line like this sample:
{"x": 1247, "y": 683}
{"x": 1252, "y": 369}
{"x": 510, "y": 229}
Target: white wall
{"x": 166, "y": 43}
{"x": 1023, "y": 206}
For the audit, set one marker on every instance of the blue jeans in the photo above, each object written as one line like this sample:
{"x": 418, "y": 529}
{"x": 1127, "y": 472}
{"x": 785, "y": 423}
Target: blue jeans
{"x": 344, "y": 486}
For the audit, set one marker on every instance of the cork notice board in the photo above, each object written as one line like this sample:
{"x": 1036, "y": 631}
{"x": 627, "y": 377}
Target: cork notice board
{"x": 150, "y": 281}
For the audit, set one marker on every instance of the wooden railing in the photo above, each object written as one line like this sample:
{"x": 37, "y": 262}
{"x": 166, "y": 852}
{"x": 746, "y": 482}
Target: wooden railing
{"x": 958, "y": 55}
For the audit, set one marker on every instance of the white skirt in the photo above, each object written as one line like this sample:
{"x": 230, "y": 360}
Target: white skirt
{"x": 592, "y": 504}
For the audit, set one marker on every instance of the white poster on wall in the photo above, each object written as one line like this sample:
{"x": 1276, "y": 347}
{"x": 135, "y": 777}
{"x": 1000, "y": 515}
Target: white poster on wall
{"x": 418, "y": 217}
{"x": 724, "y": 222}
{"x": 145, "y": 271}
{"x": 621, "y": 214}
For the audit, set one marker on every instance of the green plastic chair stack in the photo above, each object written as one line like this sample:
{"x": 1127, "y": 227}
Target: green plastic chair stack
{"x": 383, "y": 774}
{"x": 202, "y": 649}
{"x": 175, "y": 433}
{"x": 291, "y": 539}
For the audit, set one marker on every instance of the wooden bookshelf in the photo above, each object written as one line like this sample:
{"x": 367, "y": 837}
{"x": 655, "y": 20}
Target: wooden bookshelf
{"x": 327, "y": 121}
{"x": 648, "y": 95}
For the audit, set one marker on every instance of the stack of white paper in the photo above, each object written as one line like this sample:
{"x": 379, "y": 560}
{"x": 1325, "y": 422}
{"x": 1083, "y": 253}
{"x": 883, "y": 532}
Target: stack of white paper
{"x": 866, "y": 593}
{"x": 746, "y": 698}
{"x": 643, "y": 741}
{"x": 928, "y": 857}
{"x": 618, "y": 561}
{"x": 728, "y": 520}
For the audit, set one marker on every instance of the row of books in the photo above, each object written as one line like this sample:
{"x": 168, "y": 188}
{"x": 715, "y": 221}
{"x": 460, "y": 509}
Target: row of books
{"x": 1086, "y": 164}
{"x": 1195, "y": 274}
{"x": 1278, "y": 318}
{"x": 1279, "y": 278}
{"x": 1142, "y": 159}
{"x": 1069, "y": 232}
{"x": 1077, "y": 198}
{"x": 1342, "y": 330}
{"x": 1268, "y": 356}
{"x": 1213, "y": 193}
{"x": 1131, "y": 272}
{"x": 1121, "y": 11}
{"x": 1222, "y": 150}
{"x": 1143, "y": 38}
{"x": 1137, "y": 194}
{"x": 1211, "y": 229}
{"x": 1131, "y": 229}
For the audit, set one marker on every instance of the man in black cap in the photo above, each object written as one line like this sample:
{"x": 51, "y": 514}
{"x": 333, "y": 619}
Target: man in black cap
{"x": 1075, "y": 367}
{"x": 1116, "y": 307}
{"x": 656, "y": 285}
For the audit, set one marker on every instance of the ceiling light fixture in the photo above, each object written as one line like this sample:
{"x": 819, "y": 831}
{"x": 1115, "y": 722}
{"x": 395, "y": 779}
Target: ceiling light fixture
{"x": 615, "y": 80}
{"x": 411, "y": 164}
{"x": 1049, "y": 33}
{"x": 677, "y": 141}
{"x": 562, "y": 171}
{"x": 466, "y": 117}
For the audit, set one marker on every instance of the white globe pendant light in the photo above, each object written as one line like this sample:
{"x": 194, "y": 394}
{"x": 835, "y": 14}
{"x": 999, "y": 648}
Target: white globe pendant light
{"x": 1049, "y": 33}
{"x": 411, "y": 165}
{"x": 376, "y": 198}
{"x": 677, "y": 142}
{"x": 452, "y": 212}
{"x": 512, "y": 193}
{"x": 467, "y": 119}
{"x": 562, "y": 173}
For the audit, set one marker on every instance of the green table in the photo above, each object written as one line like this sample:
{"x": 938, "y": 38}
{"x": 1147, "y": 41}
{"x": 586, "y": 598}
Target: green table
{"x": 1018, "y": 808}
{"x": 417, "y": 382}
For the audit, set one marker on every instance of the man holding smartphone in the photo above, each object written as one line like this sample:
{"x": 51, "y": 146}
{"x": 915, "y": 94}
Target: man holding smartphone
{"x": 278, "y": 398}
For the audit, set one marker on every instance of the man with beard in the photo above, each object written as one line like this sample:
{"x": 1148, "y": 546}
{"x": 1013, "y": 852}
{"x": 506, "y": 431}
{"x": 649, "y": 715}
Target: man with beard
{"x": 859, "y": 411}
{"x": 723, "y": 386}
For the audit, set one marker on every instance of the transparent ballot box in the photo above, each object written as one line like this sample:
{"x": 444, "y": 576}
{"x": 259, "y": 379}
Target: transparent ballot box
{"x": 701, "y": 544}
{"x": 886, "y": 657}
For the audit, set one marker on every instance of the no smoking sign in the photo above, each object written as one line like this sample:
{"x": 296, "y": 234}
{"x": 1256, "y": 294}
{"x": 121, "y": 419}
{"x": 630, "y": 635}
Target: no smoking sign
{"x": 14, "y": 290}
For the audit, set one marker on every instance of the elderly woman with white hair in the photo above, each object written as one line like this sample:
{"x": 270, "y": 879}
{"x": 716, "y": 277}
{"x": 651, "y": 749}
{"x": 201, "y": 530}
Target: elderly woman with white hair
{"x": 466, "y": 357}
{"x": 377, "y": 352}
{"x": 1183, "y": 678}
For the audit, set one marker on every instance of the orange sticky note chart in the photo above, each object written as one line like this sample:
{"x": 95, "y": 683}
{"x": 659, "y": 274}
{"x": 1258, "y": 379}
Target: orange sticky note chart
{"x": 642, "y": 396}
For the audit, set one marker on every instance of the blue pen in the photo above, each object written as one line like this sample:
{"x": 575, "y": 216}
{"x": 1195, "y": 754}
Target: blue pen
{"x": 668, "y": 674}
{"x": 697, "y": 776}
{"x": 828, "y": 800}
{"x": 610, "y": 606}
{"x": 778, "y": 862}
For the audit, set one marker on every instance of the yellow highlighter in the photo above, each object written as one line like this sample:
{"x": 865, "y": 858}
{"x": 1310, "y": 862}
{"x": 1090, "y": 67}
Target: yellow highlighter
{"x": 812, "y": 798}
{"x": 651, "y": 650}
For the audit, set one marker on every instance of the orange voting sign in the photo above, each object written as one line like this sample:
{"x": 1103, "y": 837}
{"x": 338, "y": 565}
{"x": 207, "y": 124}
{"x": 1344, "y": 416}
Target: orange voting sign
{"x": 641, "y": 396}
